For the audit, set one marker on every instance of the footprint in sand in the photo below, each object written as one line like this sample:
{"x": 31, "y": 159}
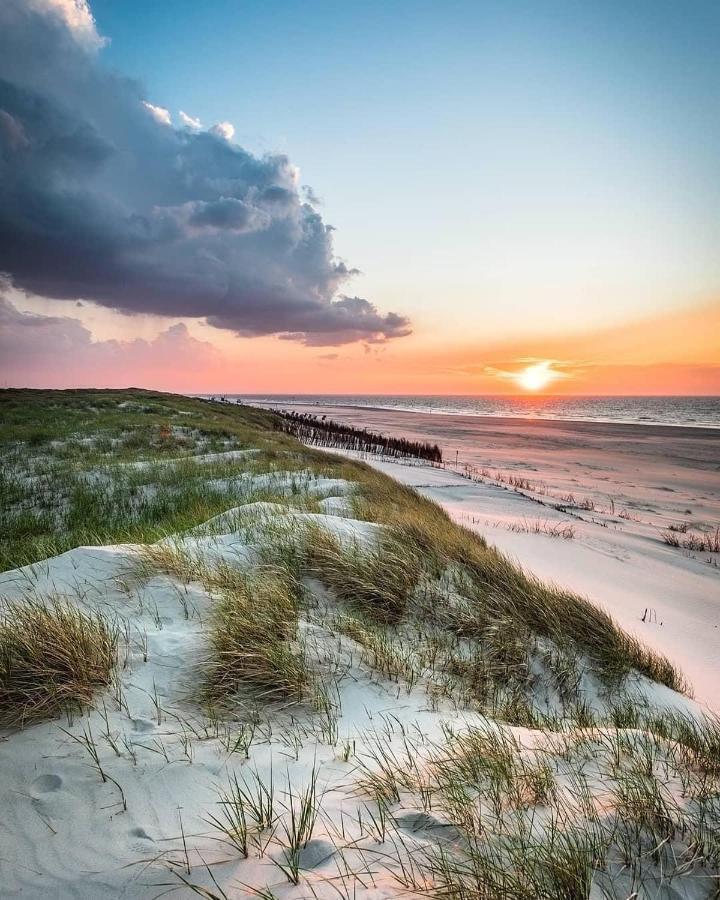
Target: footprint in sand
{"x": 45, "y": 784}
{"x": 141, "y": 840}
{"x": 143, "y": 726}
{"x": 140, "y": 833}
{"x": 428, "y": 826}
{"x": 313, "y": 854}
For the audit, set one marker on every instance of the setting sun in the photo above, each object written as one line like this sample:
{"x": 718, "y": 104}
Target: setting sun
{"x": 536, "y": 377}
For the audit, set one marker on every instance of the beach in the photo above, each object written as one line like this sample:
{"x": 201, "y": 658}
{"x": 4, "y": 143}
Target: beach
{"x": 620, "y": 488}
{"x": 235, "y": 665}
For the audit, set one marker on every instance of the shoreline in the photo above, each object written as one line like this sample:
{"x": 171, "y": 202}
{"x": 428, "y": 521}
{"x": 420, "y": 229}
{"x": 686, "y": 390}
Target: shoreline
{"x": 268, "y": 402}
{"x": 619, "y": 488}
{"x": 496, "y": 419}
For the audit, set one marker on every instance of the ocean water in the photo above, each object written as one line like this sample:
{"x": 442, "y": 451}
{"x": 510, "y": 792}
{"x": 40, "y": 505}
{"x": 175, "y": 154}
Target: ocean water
{"x": 688, "y": 411}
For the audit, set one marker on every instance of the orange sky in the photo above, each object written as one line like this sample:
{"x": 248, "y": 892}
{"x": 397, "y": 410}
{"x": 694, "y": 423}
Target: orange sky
{"x": 677, "y": 353}
{"x": 673, "y": 353}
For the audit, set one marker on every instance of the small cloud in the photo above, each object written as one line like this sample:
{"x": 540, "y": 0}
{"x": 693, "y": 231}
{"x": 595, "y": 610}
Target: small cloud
{"x": 328, "y": 356}
{"x": 190, "y": 122}
{"x": 223, "y": 130}
{"x": 159, "y": 113}
{"x": 37, "y": 349}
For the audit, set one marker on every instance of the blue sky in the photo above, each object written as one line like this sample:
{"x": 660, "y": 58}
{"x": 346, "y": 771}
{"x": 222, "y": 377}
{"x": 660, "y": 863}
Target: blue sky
{"x": 519, "y": 184}
{"x": 552, "y": 161}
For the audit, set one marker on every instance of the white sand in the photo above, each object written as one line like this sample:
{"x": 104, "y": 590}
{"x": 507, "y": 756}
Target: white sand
{"x": 620, "y": 565}
{"x": 64, "y": 833}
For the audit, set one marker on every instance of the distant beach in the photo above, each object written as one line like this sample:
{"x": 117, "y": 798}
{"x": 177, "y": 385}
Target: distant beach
{"x": 664, "y": 469}
{"x": 696, "y": 412}
{"x": 623, "y": 485}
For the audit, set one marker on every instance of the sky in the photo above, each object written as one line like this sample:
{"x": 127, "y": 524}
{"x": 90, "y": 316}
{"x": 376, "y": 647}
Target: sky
{"x": 373, "y": 197}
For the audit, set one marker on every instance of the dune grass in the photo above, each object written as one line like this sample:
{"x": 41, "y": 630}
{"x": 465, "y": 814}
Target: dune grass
{"x": 378, "y": 580}
{"x": 53, "y": 657}
{"x": 498, "y": 590}
{"x": 66, "y": 482}
{"x": 525, "y": 818}
{"x": 254, "y": 638}
{"x": 495, "y": 603}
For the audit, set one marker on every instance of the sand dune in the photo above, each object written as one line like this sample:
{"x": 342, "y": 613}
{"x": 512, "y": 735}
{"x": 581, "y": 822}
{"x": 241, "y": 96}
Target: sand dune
{"x": 635, "y": 481}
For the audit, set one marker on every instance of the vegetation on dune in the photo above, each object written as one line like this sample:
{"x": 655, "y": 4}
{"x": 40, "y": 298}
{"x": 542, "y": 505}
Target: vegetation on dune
{"x": 254, "y": 637}
{"x": 92, "y": 467}
{"x": 379, "y": 581}
{"x": 530, "y": 822}
{"x": 115, "y": 466}
{"x": 53, "y": 657}
{"x": 596, "y": 791}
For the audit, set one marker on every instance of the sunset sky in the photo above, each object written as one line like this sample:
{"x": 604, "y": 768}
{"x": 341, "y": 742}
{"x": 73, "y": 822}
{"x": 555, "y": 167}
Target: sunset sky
{"x": 360, "y": 197}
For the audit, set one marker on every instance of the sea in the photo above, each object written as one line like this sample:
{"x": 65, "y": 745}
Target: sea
{"x": 698, "y": 412}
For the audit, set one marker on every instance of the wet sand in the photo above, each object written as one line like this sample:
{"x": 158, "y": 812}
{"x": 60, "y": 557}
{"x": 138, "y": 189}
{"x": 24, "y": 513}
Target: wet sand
{"x": 663, "y": 473}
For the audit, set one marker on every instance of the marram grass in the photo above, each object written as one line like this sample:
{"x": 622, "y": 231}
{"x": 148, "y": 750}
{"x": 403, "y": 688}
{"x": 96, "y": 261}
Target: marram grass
{"x": 53, "y": 657}
{"x": 254, "y": 638}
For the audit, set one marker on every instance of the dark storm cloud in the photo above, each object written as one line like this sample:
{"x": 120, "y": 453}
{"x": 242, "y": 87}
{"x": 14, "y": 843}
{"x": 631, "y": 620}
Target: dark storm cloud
{"x": 102, "y": 199}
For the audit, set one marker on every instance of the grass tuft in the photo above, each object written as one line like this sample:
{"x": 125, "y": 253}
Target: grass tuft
{"x": 254, "y": 637}
{"x": 53, "y": 656}
{"x": 379, "y": 581}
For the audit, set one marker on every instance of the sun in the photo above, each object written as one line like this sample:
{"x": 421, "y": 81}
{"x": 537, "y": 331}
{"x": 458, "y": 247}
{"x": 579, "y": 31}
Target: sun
{"x": 536, "y": 377}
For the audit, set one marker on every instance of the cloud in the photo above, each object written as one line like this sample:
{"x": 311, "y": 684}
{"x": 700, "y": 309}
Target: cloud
{"x": 227, "y": 212}
{"x": 550, "y": 368}
{"x": 189, "y": 121}
{"x": 77, "y": 17}
{"x": 159, "y": 113}
{"x": 39, "y": 350}
{"x": 102, "y": 199}
{"x": 224, "y": 130}
{"x": 352, "y": 319}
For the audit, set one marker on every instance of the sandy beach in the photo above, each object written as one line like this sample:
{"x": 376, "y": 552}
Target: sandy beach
{"x": 302, "y": 641}
{"x": 360, "y": 451}
{"x": 620, "y": 486}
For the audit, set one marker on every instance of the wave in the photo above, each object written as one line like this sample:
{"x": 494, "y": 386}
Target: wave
{"x": 689, "y": 412}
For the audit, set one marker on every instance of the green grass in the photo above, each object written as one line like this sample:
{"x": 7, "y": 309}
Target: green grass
{"x": 66, "y": 483}
{"x": 379, "y": 581}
